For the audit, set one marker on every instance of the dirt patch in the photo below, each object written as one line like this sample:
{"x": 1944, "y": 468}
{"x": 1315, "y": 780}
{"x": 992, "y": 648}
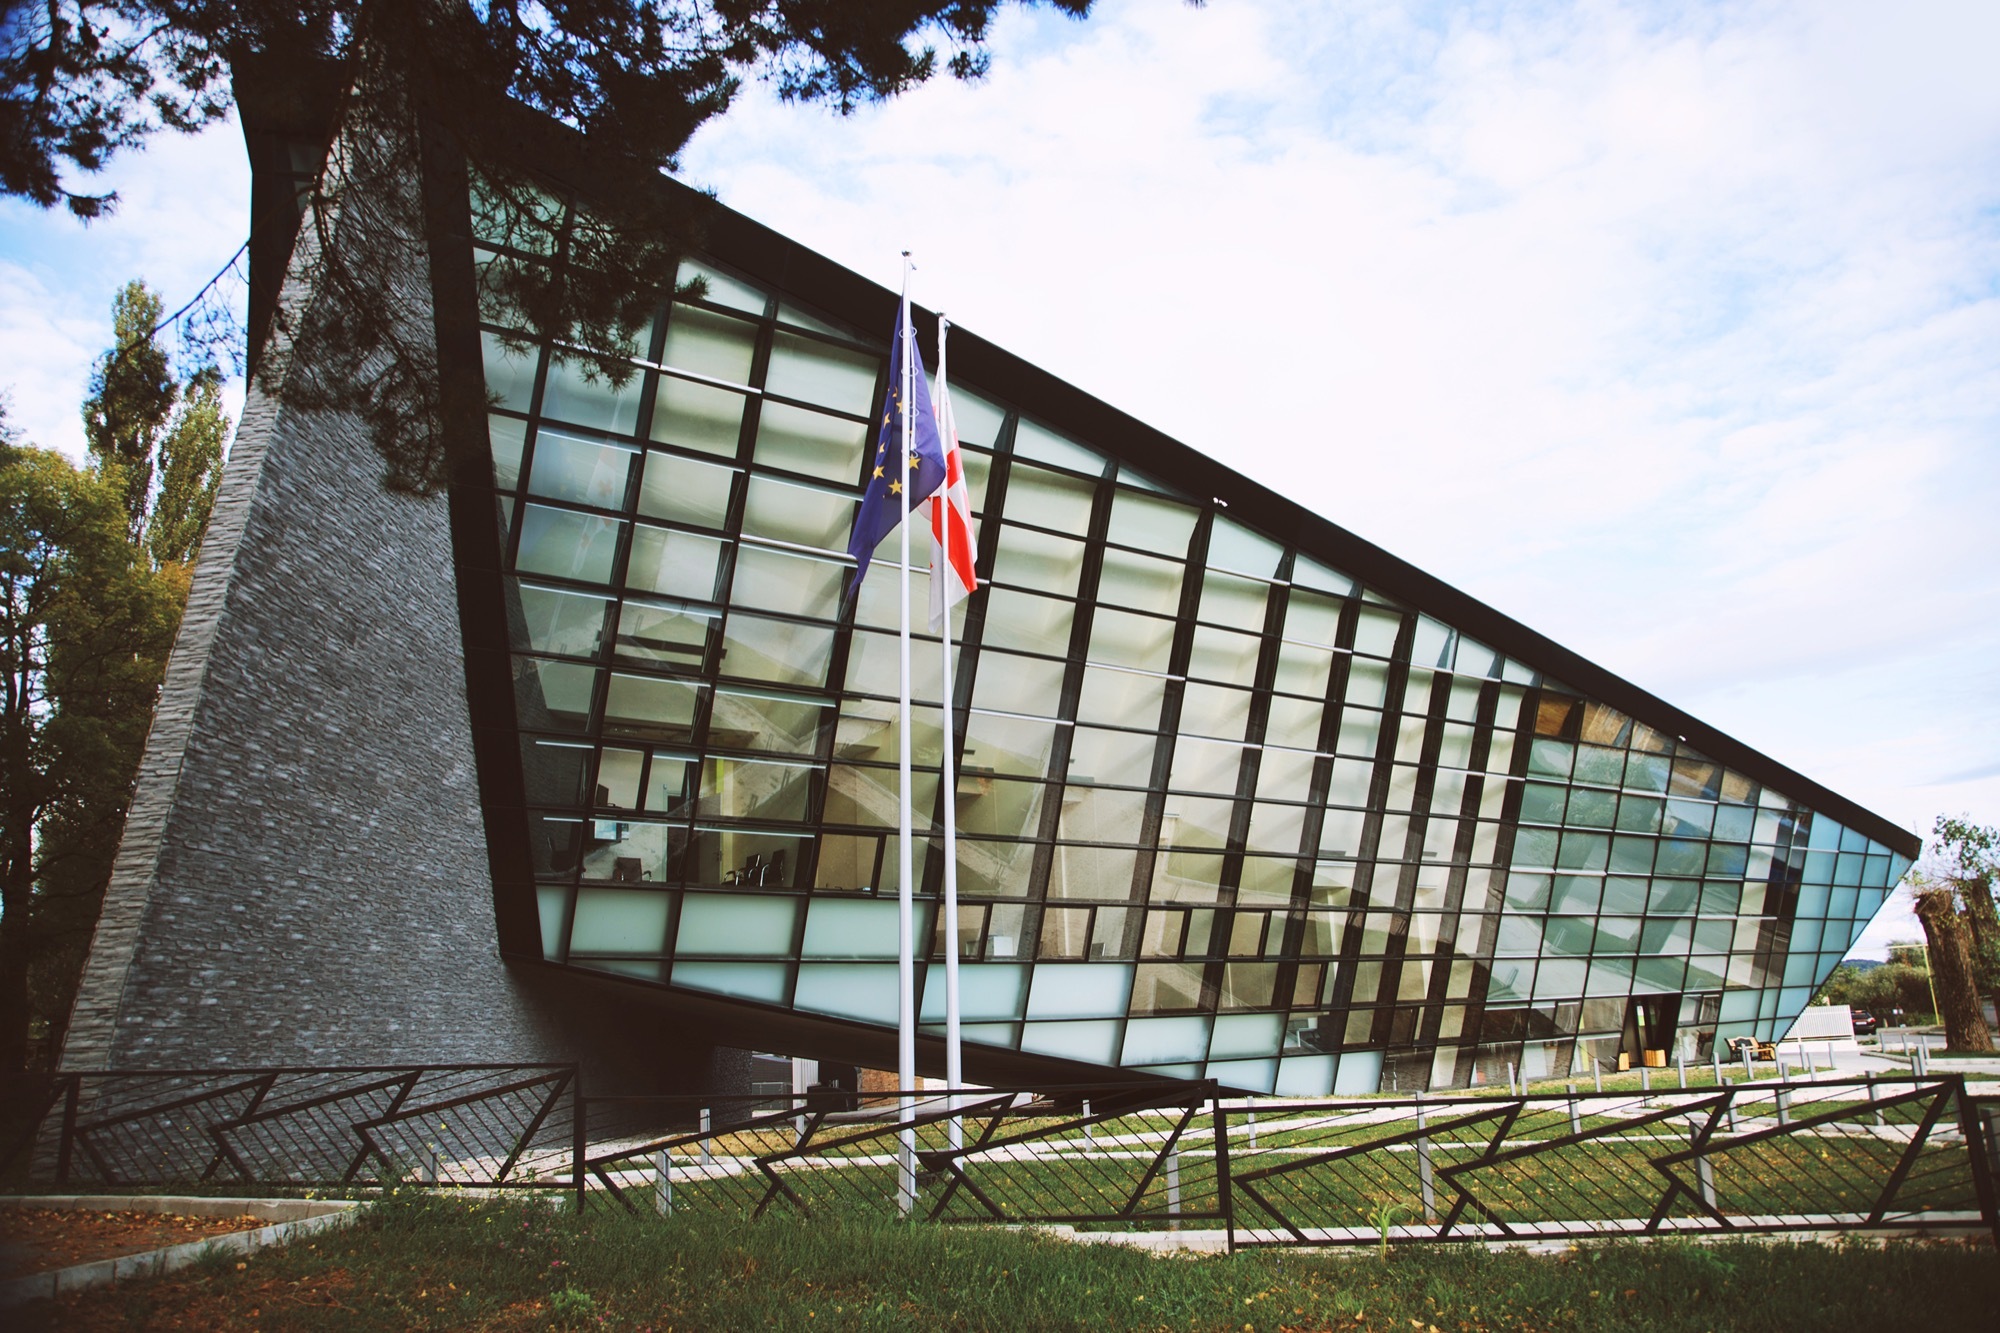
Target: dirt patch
{"x": 35, "y": 1240}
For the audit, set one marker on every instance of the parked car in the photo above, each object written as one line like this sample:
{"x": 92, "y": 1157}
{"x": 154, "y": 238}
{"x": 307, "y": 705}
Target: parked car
{"x": 1865, "y": 1023}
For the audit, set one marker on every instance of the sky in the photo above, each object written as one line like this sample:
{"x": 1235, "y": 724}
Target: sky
{"x": 1671, "y": 330}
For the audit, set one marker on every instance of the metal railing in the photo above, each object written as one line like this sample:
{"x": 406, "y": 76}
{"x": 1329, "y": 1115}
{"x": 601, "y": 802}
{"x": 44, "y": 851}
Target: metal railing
{"x": 1825, "y": 1156}
{"x": 491, "y": 1126}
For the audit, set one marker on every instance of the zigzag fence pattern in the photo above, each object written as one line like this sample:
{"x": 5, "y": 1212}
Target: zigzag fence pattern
{"x": 490, "y": 1126}
{"x": 1824, "y": 1155}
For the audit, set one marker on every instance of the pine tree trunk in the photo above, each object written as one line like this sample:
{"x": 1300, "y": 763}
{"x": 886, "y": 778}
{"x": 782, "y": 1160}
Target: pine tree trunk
{"x": 1952, "y": 972}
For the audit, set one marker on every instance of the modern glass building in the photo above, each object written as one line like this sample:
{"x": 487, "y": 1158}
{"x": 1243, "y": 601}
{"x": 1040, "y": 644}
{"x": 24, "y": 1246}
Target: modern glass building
{"x": 1240, "y": 795}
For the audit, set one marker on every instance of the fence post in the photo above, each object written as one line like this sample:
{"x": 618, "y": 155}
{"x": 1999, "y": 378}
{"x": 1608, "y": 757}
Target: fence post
{"x": 1510, "y": 1080}
{"x": 707, "y": 1124}
{"x": 70, "y": 1096}
{"x": 1597, "y": 1072}
{"x": 1715, "y": 1055}
{"x": 1089, "y": 1135}
{"x": 579, "y": 1137}
{"x": 1645, "y": 1076}
{"x": 1704, "y": 1172}
{"x": 1784, "y": 1070}
{"x": 1784, "y": 1106}
{"x": 1223, "y": 1195}
{"x": 1872, "y": 1099}
{"x": 1250, "y": 1118}
{"x": 1575, "y": 1120}
{"x": 1424, "y": 1165}
{"x": 1174, "y": 1188}
{"x": 1681, "y": 1066}
{"x": 1749, "y": 1074}
{"x": 1984, "y": 1151}
{"x": 1729, "y": 1107}
{"x": 663, "y": 1183}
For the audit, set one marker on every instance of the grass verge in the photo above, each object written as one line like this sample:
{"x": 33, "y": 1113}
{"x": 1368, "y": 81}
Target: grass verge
{"x": 427, "y": 1262}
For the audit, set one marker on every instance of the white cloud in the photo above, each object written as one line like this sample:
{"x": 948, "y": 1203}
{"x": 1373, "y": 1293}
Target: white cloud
{"x": 1668, "y": 331}
{"x": 184, "y": 207}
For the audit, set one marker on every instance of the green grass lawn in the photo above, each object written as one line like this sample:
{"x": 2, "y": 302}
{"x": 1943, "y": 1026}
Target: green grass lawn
{"x": 428, "y": 1262}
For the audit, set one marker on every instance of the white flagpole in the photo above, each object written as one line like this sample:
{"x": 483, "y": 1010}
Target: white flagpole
{"x": 953, "y": 1069}
{"x": 906, "y": 971}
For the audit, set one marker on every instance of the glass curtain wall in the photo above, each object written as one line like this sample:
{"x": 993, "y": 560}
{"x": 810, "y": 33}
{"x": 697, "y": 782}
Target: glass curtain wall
{"x": 1224, "y": 810}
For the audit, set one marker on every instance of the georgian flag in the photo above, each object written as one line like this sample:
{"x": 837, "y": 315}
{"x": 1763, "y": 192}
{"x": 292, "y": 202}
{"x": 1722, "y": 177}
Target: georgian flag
{"x": 952, "y": 576}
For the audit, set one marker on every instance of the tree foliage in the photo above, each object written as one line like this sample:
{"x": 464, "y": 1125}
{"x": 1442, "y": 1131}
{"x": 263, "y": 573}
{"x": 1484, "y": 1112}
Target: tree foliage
{"x": 435, "y": 87}
{"x": 1902, "y": 983}
{"x": 95, "y": 565}
{"x": 158, "y": 438}
{"x": 85, "y": 627}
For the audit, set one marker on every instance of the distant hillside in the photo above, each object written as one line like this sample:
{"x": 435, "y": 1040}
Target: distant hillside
{"x": 1861, "y": 964}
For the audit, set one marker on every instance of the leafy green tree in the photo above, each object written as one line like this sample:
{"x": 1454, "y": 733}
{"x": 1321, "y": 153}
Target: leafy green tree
{"x": 159, "y": 438}
{"x": 85, "y": 628}
{"x": 434, "y": 95}
{"x": 1965, "y": 858}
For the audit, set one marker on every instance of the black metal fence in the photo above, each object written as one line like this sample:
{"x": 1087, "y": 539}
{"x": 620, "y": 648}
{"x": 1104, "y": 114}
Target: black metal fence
{"x": 1822, "y": 1155}
{"x": 491, "y": 1126}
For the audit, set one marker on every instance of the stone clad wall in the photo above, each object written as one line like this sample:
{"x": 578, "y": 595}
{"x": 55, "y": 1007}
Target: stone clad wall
{"x": 304, "y": 876}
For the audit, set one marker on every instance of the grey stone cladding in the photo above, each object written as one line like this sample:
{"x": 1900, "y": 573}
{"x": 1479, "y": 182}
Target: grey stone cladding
{"x": 304, "y": 877}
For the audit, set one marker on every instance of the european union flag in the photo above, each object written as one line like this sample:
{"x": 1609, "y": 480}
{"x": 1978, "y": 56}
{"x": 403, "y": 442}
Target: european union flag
{"x": 882, "y": 502}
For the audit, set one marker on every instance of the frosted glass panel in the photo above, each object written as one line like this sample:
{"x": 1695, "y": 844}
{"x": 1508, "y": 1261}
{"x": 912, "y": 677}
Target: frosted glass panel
{"x": 682, "y": 490}
{"x": 580, "y": 471}
{"x": 1305, "y": 1076}
{"x": 570, "y": 395}
{"x": 1249, "y": 1075}
{"x": 819, "y": 373}
{"x": 1155, "y": 1040}
{"x": 1045, "y": 446}
{"x": 1080, "y": 990}
{"x": 1247, "y": 1034}
{"x": 987, "y": 992}
{"x": 552, "y": 905}
{"x": 797, "y": 439}
{"x": 698, "y": 416}
{"x": 749, "y": 981}
{"x": 710, "y": 344}
{"x": 1096, "y": 1043}
{"x": 566, "y": 544}
{"x": 866, "y": 991}
{"x": 856, "y": 928}
{"x": 510, "y": 372}
{"x": 1151, "y": 523}
{"x": 619, "y": 921}
{"x": 679, "y": 564}
{"x": 798, "y": 514}
{"x": 721, "y": 289}
{"x": 741, "y": 925}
